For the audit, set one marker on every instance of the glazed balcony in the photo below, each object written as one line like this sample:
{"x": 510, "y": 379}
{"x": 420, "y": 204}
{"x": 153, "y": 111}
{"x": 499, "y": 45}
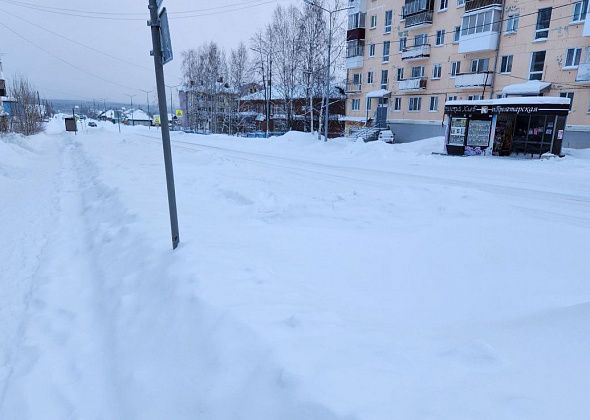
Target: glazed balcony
{"x": 471, "y": 5}
{"x": 583, "y": 73}
{"x": 413, "y": 84}
{"x": 417, "y": 52}
{"x": 353, "y": 87}
{"x": 473, "y": 80}
{"x": 418, "y": 13}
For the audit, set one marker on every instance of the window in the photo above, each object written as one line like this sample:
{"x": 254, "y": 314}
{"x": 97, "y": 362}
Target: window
{"x": 388, "y": 18}
{"x": 397, "y": 104}
{"x": 368, "y": 104}
{"x": 400, "y": 74}
{"x": 436, "y": 71}
{"x": 476, "y": 23}
{"x": 386, "y": 45}
{"x": 543, "y": 22}
{"x": 356, "y": 79}
{"x": 579, "y": 13}
{"x": 356, "y": 20}
{"x": 537, "y": 64}
{"x": 372, "y": 50}
{"x": 457, "y": 34}
{"x": 384, "y": 79}
{"x": 370, "y": 76}
{"x": 444, "y": 4}
{"x": 373, "y": 21}
{"x": 420, "y": 39}
{"x": 440, "y": 37}
{"x": 569, "y": 95}
{"x": 417, "y": 71}
{"x": 356, "y": 104}
{"x": 506, "y": 64}
{"x": 415, "y": 103}
{"x": 433, "y": 103}
{"x": 460, "y": 3}
{"x": 403, "y": 41}
{"x": 480, "y": 65}
{"x": 355, "y": 48}
{"x": 455, "y": 68}
{"x": 452, "y": 98}
{"x": 475, "y": 97}
{"x": 572, "y": 58}
{"x": 512, "y": 23}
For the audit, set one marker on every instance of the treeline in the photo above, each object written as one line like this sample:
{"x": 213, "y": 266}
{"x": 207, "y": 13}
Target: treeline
{"x": 287, "y": 59}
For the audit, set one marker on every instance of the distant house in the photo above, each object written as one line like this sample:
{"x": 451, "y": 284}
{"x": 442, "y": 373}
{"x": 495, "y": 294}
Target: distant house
{"x": 111, "y": 115}
{"x": 298, "y": 108}
{"x": 137, "y": 117}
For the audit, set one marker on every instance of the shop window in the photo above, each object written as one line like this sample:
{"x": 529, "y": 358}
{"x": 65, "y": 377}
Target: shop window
{"x": 543, "y": 22}
{"x": 506, "y": 64}
{"x": 572, "y": 57}
{"x": 537, "y": 65}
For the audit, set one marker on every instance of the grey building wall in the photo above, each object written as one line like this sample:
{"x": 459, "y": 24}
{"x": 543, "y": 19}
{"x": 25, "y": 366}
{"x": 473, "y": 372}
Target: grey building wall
{"x": 408, "y": 132}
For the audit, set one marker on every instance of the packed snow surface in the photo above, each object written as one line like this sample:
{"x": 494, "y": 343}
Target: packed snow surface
{"x": 314, "y": 280}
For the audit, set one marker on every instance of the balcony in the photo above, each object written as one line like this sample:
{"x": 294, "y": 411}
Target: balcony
{"x": 471, "y": 5}
{"x": 583, "y": 73}
{"x": 418, "y": 12}
{"x": 417, "y": 52}
{"x": 416, "y": 83}
{"x": 354, "y": 54}
{"x": 353, "y": 87}
{"x": 355, "y": 34}
{"x": 473, "y": 80}
{"x": 484, "y": 41}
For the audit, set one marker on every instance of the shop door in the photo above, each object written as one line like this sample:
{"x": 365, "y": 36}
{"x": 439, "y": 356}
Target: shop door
{"x": 503, "y": 135}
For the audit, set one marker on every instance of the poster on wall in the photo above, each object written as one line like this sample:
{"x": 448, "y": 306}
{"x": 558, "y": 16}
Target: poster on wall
{"x": 457, "y": 134}
{"x": 479, "y": 133}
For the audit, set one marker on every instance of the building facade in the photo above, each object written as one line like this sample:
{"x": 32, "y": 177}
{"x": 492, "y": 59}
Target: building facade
{"x": 405, "y": 59}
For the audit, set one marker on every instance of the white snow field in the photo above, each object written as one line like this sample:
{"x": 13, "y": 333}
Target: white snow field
{"x": 314, "y": 280}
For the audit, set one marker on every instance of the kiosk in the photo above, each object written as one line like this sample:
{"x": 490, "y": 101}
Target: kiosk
{"x": 505, "y": 126}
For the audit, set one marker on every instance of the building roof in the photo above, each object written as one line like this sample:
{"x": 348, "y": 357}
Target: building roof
{"x": 531, "y": 87}
{"x": 137, "y": 115}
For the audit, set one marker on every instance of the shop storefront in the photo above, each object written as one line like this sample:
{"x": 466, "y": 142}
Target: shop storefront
{"x": 520, "y": 125}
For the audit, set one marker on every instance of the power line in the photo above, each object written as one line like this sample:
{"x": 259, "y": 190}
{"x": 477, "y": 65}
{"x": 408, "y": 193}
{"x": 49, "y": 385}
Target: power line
{"x": 65, "y": 61}
{"x": 76, "y": 42}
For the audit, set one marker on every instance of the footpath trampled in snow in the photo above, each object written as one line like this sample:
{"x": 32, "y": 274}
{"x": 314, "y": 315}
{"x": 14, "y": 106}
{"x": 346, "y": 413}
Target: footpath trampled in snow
{"x": 316, "y": 281}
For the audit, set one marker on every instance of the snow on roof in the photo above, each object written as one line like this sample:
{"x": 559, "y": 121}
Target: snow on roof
{"x": 520, "y": 100}
{"x": 138, "y": 115}
{"x": 352, "y": 119}
{"x": 109, "y": 114}
{"x": 381, "y": 93}
{"x": 532, "y": 87}
{"x": 300, "y": 92}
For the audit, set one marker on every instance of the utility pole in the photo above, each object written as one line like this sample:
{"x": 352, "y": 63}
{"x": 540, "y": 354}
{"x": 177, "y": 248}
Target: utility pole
{"x": 132, "y": 111}
{"x": 159, "y": 31}
{"x": 329, "y": 63}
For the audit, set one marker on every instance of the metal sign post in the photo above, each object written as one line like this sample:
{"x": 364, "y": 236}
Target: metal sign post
{"x": 162, "y": 52}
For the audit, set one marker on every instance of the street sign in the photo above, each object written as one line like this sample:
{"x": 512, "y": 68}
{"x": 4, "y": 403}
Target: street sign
{"x": 167, "y": 55}
{"x": 156, "y": 120}
{"x": 71, "y": 124}
{"x": 179, "y": 113}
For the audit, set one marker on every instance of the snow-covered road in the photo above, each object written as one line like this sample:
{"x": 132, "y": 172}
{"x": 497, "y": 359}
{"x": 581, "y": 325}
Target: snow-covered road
{"x": 314, "y": 281}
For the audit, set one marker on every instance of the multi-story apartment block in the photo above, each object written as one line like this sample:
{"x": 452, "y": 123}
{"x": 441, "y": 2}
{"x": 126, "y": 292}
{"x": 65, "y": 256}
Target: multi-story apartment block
{"x": 405, "y": 59}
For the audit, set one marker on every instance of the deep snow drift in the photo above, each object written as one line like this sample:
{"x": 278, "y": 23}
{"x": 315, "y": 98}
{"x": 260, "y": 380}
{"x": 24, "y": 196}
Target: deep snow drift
{"x": 314, "y": 281}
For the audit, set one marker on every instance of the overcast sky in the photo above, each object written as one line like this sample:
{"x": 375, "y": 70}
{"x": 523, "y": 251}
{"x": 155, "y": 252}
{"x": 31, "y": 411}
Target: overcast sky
{"x": 61, "y": 69}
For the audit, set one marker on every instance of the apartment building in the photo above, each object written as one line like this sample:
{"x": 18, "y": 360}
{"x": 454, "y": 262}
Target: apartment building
{"x": 405, "y": 59}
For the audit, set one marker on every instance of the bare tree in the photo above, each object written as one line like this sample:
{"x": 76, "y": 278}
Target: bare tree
{"x": 26, "y": 113}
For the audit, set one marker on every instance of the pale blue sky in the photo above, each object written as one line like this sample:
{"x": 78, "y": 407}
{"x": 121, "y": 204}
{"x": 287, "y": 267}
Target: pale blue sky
{"x": 226, "y": 21}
